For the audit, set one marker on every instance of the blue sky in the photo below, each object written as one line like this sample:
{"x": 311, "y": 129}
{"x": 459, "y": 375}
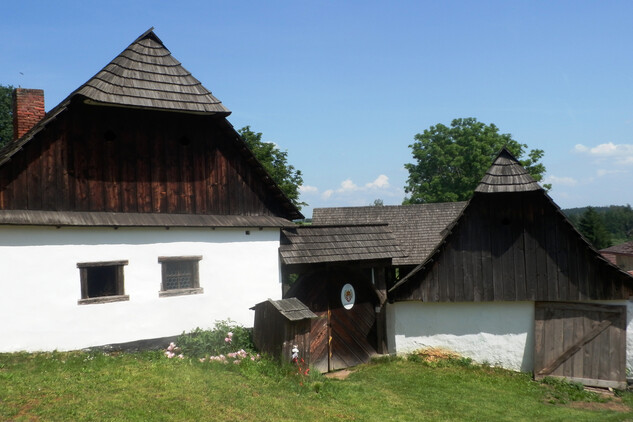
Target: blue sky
{"x": 344, "y": 86}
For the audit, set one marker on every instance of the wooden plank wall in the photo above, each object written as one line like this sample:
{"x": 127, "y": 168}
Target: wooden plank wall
{"x": 515, "y": 247}
{"x": 275, "y": 335}
{"x": 582, "y": 342}
{"x": 95, "y": 158}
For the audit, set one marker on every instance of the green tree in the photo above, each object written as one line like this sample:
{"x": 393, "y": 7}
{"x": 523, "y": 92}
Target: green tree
{"x": 378, "y": 203}
{"x": 618, "y": 220}
{"x": 592, "y": 227}
{"x": 451, "y": 161}
{"x": 275, "y": 162}
{"x": 6, "y": 114}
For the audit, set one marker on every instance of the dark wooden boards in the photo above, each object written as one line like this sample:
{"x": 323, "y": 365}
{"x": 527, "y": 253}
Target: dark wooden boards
{"x": 514, "y": 247}
{"x": 114, "y": 159}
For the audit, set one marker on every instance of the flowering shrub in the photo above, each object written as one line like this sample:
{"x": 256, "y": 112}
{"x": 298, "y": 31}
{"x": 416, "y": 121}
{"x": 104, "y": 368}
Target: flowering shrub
{"x": 226, "y": 342}
{"x": 171, "y": 351}
{"x": 226, "y": 337}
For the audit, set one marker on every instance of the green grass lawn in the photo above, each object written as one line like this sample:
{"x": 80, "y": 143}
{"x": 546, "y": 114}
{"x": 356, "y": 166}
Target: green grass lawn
{"x": 148, "y": 386}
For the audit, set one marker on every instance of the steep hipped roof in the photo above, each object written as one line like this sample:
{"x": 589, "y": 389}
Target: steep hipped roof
{"x": 146, "y": 75}
{"x": 506, "y": 174}
{"x": 418, "y": 228}
{"x": 320, "y": 244}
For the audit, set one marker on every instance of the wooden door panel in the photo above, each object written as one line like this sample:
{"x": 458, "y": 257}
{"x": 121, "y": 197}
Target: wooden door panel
{"x": 319, "y": 339}
{"x": 581, "y": 341}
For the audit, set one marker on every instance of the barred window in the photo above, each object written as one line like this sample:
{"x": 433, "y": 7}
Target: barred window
{"x": 102, "y": 282}
{"x": 179, "y": 275}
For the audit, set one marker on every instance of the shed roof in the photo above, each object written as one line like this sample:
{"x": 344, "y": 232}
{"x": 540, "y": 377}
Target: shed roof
{"x": 319, "y": 244}
{"x": 417, "y": 228}
{"x": 292, "y": 308}
{"x": 621, "y": 249}
{"x": 506, "y": 174}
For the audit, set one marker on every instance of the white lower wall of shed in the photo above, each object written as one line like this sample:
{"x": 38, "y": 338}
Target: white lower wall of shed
{"x": 41, "y": 286}
{"x": 500, "y": 333}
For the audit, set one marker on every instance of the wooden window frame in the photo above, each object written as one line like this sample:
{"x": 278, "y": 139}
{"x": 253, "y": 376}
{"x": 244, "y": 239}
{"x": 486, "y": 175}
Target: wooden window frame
{"x": 195, "y": 289}
{"x": 119, "y": 283}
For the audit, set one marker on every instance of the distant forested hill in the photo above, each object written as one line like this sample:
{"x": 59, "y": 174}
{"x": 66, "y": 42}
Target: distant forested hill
{"x": 617, "y": 219}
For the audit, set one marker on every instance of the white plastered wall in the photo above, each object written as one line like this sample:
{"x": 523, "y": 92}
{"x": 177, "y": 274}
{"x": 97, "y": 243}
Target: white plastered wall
{"x": 499, "y": 333}
{"x": 41, "y": 286}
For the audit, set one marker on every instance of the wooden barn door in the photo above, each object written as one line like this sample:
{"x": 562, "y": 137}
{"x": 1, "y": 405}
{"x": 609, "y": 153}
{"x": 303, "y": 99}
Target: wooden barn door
{"x": 352, "y": 342}
{"x": 339, "y": 337}
{"x": 582, "y": 342}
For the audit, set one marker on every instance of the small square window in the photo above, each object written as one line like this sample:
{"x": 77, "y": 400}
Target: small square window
{"x": 102, "y": 282}
{"x": 179, "y": 275}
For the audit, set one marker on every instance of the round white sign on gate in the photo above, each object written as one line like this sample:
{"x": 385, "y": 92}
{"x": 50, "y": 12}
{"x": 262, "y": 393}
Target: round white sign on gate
{"x": 348, "y": 296}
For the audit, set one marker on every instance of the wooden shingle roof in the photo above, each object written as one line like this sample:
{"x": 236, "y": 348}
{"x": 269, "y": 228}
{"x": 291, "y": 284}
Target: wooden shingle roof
{"x": 621, "y": 249}
{"x": 146, "y": 75}
{"x": 292, "y": 308}
{"x": 506, "y": 174}
{"x": 121, "y": 219}
{"x": 417, "y": 228}
{"x": 320, "y": 244}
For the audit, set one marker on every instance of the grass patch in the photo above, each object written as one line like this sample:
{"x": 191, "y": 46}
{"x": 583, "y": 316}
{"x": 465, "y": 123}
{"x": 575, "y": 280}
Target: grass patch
{"x": 148, "y": 386}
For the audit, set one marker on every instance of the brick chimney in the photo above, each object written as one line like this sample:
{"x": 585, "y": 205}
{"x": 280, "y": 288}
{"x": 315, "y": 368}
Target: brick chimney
{"x": 28, "y": 109}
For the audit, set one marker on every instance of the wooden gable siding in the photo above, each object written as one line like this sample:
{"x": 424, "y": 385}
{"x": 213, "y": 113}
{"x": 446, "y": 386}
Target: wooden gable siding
{"x": 515, "y": 247}
{"x": 94, "y": 158}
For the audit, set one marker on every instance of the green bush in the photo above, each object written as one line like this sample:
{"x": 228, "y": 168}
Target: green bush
{"x": 563, "y": 391}
{"x": 200, "y": 343}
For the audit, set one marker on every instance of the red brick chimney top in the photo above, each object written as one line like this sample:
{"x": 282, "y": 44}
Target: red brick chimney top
{"x": 28, "y": 109}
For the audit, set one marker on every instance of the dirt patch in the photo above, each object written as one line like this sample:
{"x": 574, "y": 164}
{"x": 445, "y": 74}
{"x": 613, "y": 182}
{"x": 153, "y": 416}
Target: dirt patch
{"x": 434, "y": 354}
{"x": 615, "y": 404}
{"x": 338, "y": 375}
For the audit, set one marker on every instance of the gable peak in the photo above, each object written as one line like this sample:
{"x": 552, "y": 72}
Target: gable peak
{"x": 506, "y": 174}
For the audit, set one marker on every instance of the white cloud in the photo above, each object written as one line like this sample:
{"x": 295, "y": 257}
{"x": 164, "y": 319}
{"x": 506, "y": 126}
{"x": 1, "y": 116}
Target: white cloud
{"x": 604, "y": 172}
{"x": 327, "y": 194}
{"x": 351, "y": 193}
{"x": 308, "y": 189}
{"x": 621, "y": 153}
{"x": 381, "y": 182}
{"x": 347, "y": 186}
{"x": 561, "y": 181}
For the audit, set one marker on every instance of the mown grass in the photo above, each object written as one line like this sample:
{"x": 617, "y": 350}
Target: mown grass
{"x": 148, "y": 387}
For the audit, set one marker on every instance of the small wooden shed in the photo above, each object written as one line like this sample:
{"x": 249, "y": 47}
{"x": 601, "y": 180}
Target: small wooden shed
{"x": 280, "y": 325}
{"x": 341, "y": 277}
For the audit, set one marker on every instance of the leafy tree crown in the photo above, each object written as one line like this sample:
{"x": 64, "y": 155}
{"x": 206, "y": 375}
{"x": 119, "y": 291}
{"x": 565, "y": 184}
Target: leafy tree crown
{"x": 6, "y": 114}
{"x": 275, "y": 161}
{"x": 449, "y": 162}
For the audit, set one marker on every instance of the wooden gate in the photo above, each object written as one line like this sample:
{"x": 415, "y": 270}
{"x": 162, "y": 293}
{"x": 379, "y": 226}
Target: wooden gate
{"x": 339, "y": 337}
{"x": 581, "y": 342}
